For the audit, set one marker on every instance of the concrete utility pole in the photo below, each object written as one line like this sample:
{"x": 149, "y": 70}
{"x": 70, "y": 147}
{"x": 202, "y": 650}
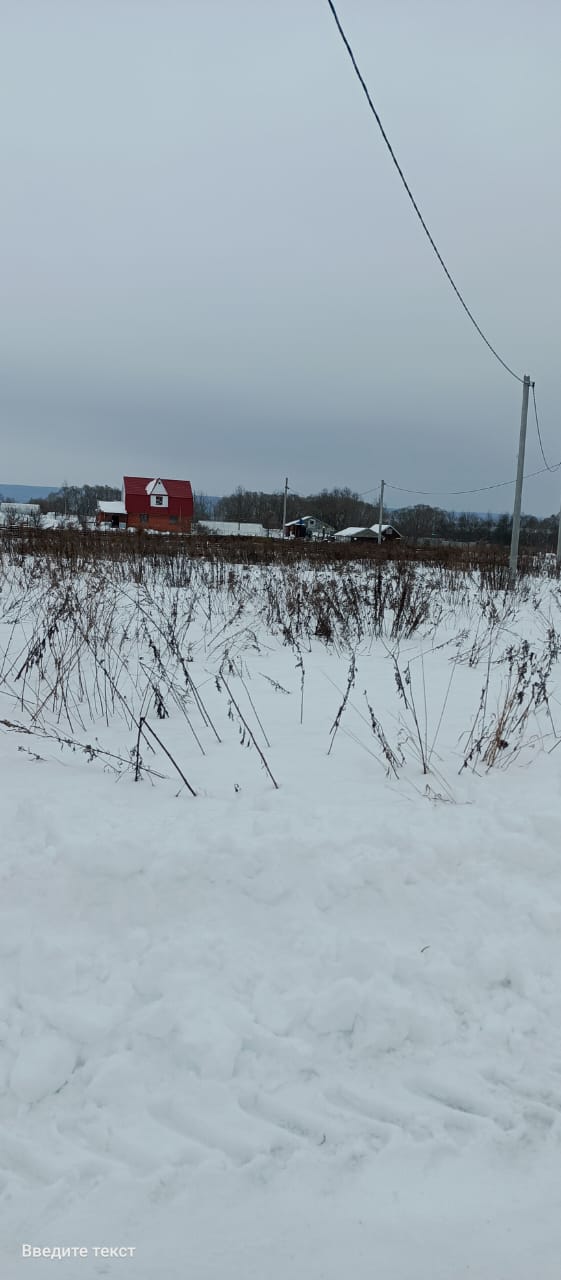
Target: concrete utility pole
{"x": 559, "y": 542}
{"x": 381, "y": 512}
{"x": 284, "y": 508}
{"x": 519, "y": 479}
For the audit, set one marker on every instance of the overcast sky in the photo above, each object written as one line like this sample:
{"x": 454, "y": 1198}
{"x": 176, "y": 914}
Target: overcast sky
{"x": 210, "y": 269}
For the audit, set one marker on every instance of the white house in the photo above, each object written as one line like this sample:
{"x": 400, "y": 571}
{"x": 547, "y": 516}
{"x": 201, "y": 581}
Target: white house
{"x": 370, "y": 534}
{"x": 307, "y": 527}
{"x": 19, "y": 512}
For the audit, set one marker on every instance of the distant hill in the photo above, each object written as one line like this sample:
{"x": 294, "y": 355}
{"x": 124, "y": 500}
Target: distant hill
{"x": 27, "y": 492}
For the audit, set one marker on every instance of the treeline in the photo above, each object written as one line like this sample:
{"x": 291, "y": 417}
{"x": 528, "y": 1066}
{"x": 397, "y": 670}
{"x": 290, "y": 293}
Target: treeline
{"x": 337, "y": 507}
{"x": 423, "y": 522}
{"x": 78, "y": 500}
{"x": 341, "y": 508}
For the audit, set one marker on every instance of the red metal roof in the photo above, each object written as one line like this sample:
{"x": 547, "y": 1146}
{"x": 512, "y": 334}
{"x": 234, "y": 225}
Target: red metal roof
{"x": 136, "y": 486}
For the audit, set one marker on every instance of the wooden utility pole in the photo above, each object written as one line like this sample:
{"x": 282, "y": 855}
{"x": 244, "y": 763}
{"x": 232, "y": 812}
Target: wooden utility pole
{"x": 381, "y": 511}
{"x": 519, "y": 480}
{"x": 284, "y": 508}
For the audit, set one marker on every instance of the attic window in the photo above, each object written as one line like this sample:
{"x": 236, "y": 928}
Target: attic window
{"x": 159, "y": 500}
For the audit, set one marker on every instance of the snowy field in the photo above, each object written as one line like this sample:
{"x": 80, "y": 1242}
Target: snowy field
{"x": 306, "y": 1022}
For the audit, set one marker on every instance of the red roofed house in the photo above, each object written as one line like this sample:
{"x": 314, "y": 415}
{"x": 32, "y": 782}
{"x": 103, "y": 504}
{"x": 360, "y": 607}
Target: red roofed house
{"x": 165, "y": 506}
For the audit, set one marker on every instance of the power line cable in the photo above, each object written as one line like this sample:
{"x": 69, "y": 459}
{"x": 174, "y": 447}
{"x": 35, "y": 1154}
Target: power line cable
{"x": 456, "y": 493}
{"x": 547, "y": 466}
{"x": 412, "y": 198}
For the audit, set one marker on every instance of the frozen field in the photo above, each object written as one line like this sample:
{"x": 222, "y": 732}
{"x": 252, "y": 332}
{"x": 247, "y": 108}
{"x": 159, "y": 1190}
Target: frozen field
{"x": 293, "y": 1031}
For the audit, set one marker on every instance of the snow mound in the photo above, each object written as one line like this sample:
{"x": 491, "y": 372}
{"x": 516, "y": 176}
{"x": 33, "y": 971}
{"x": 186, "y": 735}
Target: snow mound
{"x": 43, "y": 1065}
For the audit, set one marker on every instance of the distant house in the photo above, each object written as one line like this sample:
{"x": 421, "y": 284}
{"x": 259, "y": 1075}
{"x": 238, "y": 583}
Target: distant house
{"x": 233, "y": 528}
{"x": 369, "y": 534}
{"x": 111, "y": 515}
{"x": 307, "y": 527}
{"x": 19, "y": 512}
{"x": 153, "y": 504}
{"x": 389, "y": 532}
{"x": 56, "y": 520}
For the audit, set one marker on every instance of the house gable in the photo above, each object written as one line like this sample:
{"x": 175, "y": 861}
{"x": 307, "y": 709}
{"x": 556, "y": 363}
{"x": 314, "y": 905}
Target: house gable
{"x": 157, "y": 493}
{"x": 156, "y": 486}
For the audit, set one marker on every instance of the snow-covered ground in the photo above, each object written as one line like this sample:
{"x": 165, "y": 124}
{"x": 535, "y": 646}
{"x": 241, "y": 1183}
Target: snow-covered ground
{"x": 304, "y": 1031}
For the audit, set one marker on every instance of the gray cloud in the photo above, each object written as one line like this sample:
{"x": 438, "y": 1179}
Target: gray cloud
{"x": 209, "y": 267}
